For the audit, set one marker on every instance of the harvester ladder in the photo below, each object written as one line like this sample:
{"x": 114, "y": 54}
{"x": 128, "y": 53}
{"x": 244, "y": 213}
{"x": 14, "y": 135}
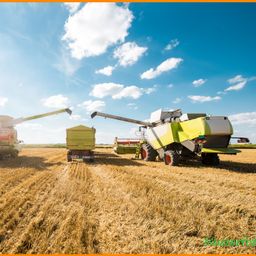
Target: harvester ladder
{"x": 138, "y": 150}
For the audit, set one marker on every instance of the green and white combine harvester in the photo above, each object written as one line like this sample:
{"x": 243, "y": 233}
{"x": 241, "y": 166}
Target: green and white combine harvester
{"x": 172, "y": 136}
{"x": 10, "y": 146}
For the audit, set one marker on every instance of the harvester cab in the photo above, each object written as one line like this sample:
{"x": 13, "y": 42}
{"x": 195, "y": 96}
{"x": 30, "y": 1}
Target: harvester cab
{"x": 9, "y": 144}
{"x": 173, "y": 136}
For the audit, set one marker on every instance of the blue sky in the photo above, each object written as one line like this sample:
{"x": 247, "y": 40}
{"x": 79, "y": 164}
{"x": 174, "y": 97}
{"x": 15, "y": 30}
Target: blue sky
{"x": 128, "y": 60}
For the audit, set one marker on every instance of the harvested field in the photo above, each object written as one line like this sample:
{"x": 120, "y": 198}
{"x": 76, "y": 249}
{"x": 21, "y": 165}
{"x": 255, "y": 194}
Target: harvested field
{"x": 119, "y": 205}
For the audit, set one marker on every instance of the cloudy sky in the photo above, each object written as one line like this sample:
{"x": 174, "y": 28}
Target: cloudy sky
{"x": 128, "y": 60}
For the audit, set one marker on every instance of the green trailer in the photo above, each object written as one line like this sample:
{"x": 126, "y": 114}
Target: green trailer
{"x": 80, "y": 143}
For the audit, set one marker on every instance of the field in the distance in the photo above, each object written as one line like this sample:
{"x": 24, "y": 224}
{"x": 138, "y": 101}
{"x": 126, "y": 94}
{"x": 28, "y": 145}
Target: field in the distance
{"x": 119, "y": 205}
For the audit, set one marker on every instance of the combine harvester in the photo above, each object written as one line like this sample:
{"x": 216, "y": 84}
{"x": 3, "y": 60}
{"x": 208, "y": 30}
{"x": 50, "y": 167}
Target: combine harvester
{"x": 173, "y": 136}
{"x": 9, "y": 143}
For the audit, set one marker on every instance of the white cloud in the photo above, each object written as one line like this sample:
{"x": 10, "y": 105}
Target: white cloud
{"x": 91, "y": 106}
{"x": 132, "y": 106}
{"x": 237, "y": 83}
{"x": 128, "y": 92}
{"x": 243, "y": 118}
{"x": 56, "y": 101}
{"x": 105, "y": 89}
{"x": 236, "y": 79}
{"x": 119, "y": 91}
{"x": 198, "y": 98}
{"x": 67, "y": 64}
{"x": 199, "y": 82}
{"x": 165, "y": 66}
{"x": 107, "y": 71}
{"x": 75, "y": 117}
{"x": 177, "y": 100}
{"x": 150, "y": 89}
{"x": 237, "y": 86}
{"x": 221, "y": 93}
{"x": 170, "y": 86}
{"x": 95, "y": 27}
{"x": 72, "y": 6}
{"x": 3, "y": 101}
{"x": 129, "y": 53}
{"x": 173, "y": 43}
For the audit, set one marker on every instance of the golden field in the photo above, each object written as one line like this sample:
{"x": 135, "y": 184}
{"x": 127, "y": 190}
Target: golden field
{"x": 120, "y": 205}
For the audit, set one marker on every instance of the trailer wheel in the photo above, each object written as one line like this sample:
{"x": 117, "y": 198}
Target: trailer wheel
{"x": 148, "y": 153}
{"x": 69, "y": 158}
{"x": 210, "y": 159}
{"x": 171, "y": 158}
{"x": 89, "y": 160}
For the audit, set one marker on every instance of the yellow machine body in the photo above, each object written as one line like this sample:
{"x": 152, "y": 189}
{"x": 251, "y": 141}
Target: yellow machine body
{"x": 167, "y": 133}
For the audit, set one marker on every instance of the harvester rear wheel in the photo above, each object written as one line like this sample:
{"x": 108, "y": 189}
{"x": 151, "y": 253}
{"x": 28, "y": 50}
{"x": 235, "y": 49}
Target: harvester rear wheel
{"x": 171, "y": 158}
{"x": 210, "y": 159}
{"x": 148, "y": 153}
{"x": 14, "y": 154}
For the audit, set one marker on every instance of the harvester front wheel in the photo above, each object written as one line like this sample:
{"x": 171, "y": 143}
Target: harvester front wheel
{"x": 148, "y": 153}
{"x": 171, "y": 158}
{"x": 210, "y": 159}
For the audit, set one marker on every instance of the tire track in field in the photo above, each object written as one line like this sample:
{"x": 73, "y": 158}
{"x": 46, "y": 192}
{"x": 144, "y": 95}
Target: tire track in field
{"x": 226, "y": 190}
{"x": 14, "y": 176}
{"x": 121, "y": 206}
{"x": 21, "y": 202}
{"x": 201, "y": 194}
{"x": 62, "y": 223}
{"x": 159, "y": 201}
{"x": 25, "y": 214}
{"x": 15, "y": 211}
